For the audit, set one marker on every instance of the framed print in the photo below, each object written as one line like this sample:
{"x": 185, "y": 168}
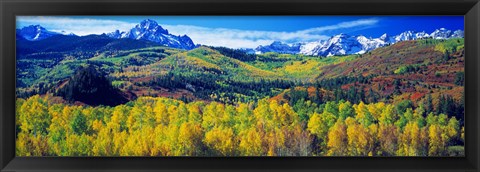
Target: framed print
{"x": 240, "y": 91}
{"x": 256, "y": 85}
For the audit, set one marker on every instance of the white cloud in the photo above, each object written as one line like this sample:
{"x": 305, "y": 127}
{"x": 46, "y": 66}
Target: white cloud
{"x": 233, "y": 38}
{"x": 343, "y": 25}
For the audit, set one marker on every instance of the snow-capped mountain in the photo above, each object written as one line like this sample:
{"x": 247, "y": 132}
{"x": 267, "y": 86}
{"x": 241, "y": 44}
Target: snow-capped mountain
{"x": 369, "y": 44}
{"x": 310, "y": 47}
{"x": 343, "y": 44}
{"x": 441, "y": 33}
{"x": 340, "y": 44}
{"x": 35, "y": 33}
{"x": 151, "y": 31}
{"x": 408, "y": 35}
{"x": 458, "y": 34}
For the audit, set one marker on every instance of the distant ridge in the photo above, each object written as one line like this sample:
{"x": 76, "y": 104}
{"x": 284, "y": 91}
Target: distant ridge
{"x": 340, "y": 44}
{"x": 344, "y": 44}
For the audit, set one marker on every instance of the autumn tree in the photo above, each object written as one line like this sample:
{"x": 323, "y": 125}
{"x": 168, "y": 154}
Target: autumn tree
{"x": 337, "y": 139}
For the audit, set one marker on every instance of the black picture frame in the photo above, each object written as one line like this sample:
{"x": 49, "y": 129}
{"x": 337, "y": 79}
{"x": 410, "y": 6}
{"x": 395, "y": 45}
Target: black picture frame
{"x": 11, "y": 8}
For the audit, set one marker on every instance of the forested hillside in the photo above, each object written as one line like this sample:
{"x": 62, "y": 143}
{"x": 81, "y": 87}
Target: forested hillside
{"x": 105, "y": 98}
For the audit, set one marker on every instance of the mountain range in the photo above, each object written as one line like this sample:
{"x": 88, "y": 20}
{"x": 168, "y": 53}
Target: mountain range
{"x": 344, "y": 44}
{"x": 341, "y": 44}
{"x": 147, "y": 30}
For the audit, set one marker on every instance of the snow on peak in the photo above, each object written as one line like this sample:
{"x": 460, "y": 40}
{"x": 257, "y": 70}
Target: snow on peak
{"x": 35, "y": 33}
{"x": 441, "y": 33}
{"x": 384, "y": 37}
{"x": 150, "y": 30}
{"x": 458, "y": 34}
{"x": 344, "y": 44}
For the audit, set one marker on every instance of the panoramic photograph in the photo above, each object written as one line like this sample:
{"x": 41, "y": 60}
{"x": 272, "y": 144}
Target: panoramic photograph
{"x": 236, "y": 86}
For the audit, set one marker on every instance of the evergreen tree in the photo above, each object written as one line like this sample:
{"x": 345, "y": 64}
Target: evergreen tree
{"x": 428, "y": 104}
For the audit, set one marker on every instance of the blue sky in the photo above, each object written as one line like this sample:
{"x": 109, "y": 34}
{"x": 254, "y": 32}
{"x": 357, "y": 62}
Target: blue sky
{"x": 250, "y": 31}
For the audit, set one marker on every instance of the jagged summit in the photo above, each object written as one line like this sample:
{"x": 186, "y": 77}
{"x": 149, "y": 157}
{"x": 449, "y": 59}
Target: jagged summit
{"x": 150, "y": 30}
{"x": 344, "y": 44}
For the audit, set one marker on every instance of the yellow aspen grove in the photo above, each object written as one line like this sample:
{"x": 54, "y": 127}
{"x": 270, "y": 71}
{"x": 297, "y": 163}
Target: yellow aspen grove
{"x": 137, "y": 118}
{"x": 376, "y": 110}
{"x": 97, "y": 125}
{"x": 337, "y": 139}
{"x": 78, "y": 145}
{"x": 291, "y": 118}
{"x": 411, "y": 141}
{"x": 39, "y": 145}
{"x": 278, "y": 114}
{"x": 56, "y": 131}
{"x": 171, "y": 146}
{"x": 388, "y": 139}
{"x": 360, "y": 142}
{"x": 181, "y": 114}
{"x": 150, "y": 119}
{"x": 228, "y": 116}
{"x": 138, "y": 144}
{"x": 363, "y": 115}
{"x": 167, "y": 127}
{"x": 453, "y": 128}
{"x": 23, "y": 146}
{"x": 189, "y": 137}
{"x": 147, "y": 141}
{"x": 119, "y": 141}
{"x": 118, "y": 121}
{"x": 194, "y": 110}
{"x": 212, "y": 116}
{"x": 173, "y": 118}
{"x": 318, "y": 126}
{"x": 276, "y": 143}
{"x": 160, "y": 148}
{"x": 244, "y": 118}
{"x": 388, "y": 115}
{"x": 251, "y": 143}
{"x": 103, "y": 144}
{"x": 34, "y": 116}
{"x": 161, "y": 113}
{"x": 436, "y": 141}
{"x": 132, "y": 145}
{"x": 221, "y": 141}
{"x": 264, "y": 115}
{"x": 18, "y": 108}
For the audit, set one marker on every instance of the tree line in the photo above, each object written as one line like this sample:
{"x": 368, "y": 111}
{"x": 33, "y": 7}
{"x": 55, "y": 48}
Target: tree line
{"x": 167, "y": 127}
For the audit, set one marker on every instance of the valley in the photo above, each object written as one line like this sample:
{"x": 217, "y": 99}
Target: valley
{"x": 206, "y": 74}
{"x": 146, "y": 92}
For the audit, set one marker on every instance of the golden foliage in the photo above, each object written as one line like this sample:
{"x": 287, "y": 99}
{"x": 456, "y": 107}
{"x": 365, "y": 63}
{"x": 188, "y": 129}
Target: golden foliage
{"x": 167, "y": 127}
